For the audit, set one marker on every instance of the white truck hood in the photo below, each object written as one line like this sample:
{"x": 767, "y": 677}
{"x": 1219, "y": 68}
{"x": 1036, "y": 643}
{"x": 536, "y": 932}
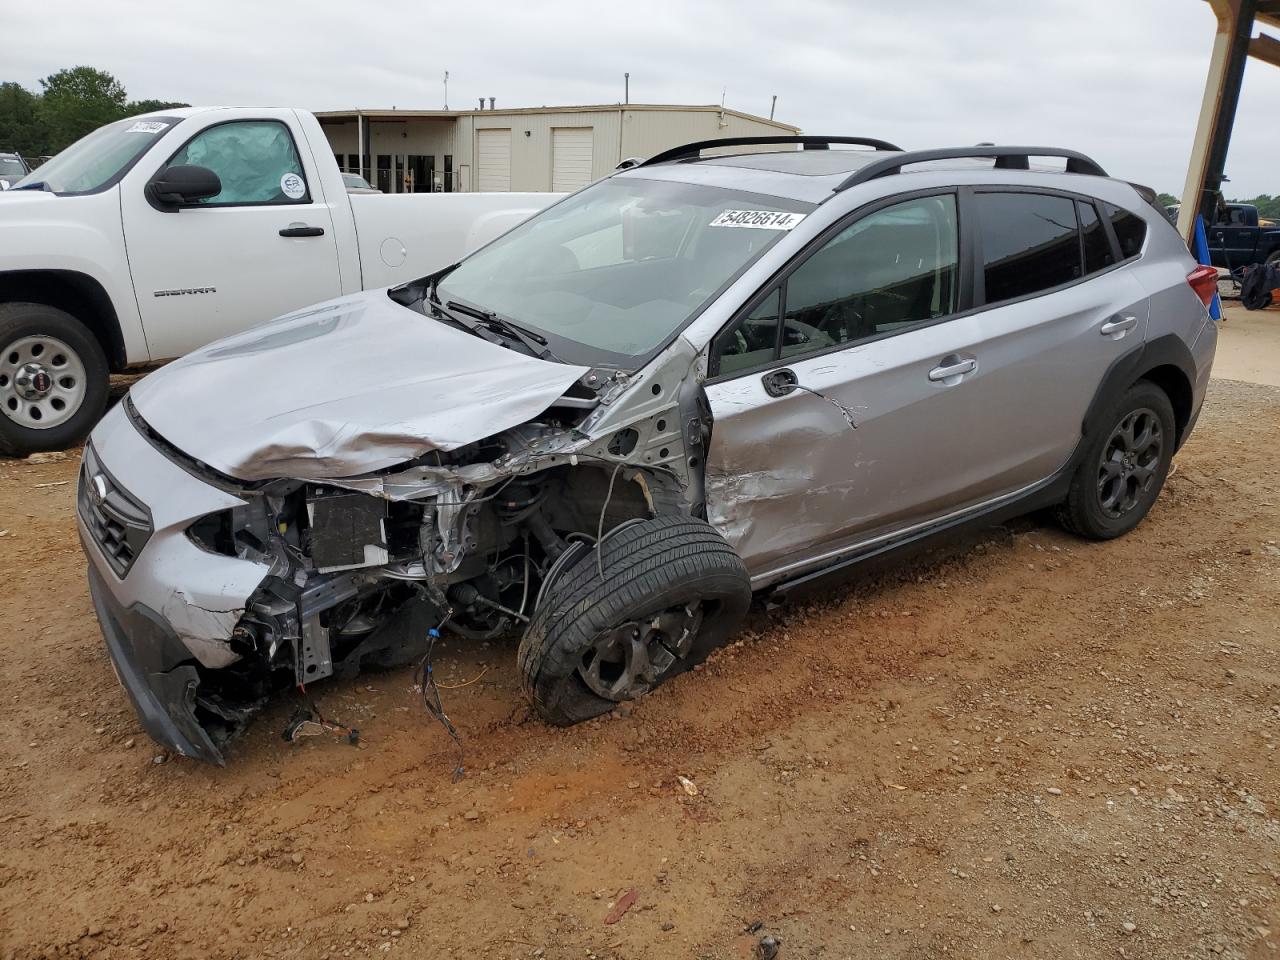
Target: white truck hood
{"x": 345, "y": 388}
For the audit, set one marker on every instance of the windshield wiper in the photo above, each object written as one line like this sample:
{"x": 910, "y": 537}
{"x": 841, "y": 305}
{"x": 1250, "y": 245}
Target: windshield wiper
{"x": 438, "y": 311}
{"x": 536, "y": 343}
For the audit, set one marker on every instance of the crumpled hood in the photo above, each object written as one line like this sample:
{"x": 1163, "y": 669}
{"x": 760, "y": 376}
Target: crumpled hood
{"x": 348, "y": 387}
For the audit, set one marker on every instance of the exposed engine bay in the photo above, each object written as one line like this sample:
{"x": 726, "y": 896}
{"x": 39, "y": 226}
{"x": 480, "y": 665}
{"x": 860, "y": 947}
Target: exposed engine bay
{"x": 363, "y": 569}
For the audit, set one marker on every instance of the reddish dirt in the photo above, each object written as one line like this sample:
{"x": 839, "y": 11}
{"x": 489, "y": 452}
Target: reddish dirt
{"x": 1026, "y": 746}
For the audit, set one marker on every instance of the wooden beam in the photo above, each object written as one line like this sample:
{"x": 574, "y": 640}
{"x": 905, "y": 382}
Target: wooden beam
{"x": 1217, "y": 110}
{"x": 1266, "y": 49}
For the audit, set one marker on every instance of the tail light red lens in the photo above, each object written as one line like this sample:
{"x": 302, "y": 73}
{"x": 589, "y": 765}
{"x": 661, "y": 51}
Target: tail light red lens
{"x": 1204, "y": 281}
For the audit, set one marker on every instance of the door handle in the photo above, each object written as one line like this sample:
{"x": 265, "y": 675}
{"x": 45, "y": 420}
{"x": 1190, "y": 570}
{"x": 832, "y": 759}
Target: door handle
{"x": 779, "y": 383}
{"x": 301, "y": 230}
{"x": 952, "y": 366}
{"x": 1118, "y": 326}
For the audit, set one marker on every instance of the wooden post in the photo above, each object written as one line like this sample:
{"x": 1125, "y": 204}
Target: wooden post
{"x": 1217, "y": 112}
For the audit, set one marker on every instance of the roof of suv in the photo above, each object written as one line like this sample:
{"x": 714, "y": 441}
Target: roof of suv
{"x": 814, "y": 174}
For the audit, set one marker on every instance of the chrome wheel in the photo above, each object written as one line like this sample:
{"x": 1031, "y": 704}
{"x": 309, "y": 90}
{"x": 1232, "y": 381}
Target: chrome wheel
{"x": 628, "y": 660}
{"x": 42, "y": 382}
{"x": 1130, "y": 460}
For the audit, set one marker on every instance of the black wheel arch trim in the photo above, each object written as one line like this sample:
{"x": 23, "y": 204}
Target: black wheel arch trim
{"x": 1168, "y": 351}
{"x": 77, "y": 293}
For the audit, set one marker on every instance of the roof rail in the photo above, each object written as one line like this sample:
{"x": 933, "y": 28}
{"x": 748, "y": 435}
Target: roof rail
{"x": 1007, "y": 158}
{"x": 689, "y": 150}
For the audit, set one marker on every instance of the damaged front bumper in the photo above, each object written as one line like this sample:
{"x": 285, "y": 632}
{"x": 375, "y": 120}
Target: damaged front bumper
{"x": 153, "y": 666}
{"x": 166, "y": 606}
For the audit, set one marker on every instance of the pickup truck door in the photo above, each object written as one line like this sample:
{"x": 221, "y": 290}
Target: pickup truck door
{"x": 1233, "y": 240}
{"x": 262, "y": 247}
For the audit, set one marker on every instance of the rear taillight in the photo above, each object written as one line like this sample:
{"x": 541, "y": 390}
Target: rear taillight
{"x": 1204, "y": 281}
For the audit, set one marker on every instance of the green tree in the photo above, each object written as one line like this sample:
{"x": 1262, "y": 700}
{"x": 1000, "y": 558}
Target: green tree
{"x": 1167, "y": 199}
{"x": 77, "y": 101}
{"x": 21, "y": 128}
{"x": 135, "y": 107}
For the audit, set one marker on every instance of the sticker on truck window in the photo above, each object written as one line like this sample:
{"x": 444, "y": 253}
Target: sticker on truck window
{"x": 148, "y": 126}
{"x": 291, "y": 186}
{"x": 758, "y": 219}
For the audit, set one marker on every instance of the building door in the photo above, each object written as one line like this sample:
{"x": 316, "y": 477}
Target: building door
{"x": 448, "y": 173}
{"x": 421, "y": 169}
{"x": 493, "y": 160}
{"x": 384, "y": 173}
{"x": 570, "y": 158}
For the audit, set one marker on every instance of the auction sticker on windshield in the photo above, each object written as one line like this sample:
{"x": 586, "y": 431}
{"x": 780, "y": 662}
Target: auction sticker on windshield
{"x": 148, "y": 126}
{"x": 758, "y": 219}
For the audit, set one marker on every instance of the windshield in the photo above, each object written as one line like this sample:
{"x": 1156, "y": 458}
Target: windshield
{"x": 355, "y": 180}
{"x": 612, "y": 272}
{"x": 101, "y": 158}
{"x": 10, "y": 167}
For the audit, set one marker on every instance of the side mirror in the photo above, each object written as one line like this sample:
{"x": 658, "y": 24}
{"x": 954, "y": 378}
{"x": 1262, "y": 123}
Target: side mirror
{"x": 176, "y": 186}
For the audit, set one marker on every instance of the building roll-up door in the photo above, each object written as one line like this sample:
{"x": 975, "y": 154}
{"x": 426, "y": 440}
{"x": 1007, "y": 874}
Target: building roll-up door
{"x": 493, "y": 160}
{"x": 570, "y": 158}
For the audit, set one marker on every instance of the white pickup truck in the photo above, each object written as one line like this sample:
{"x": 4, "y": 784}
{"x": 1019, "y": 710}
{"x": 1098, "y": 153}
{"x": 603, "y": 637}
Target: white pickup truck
{"x": 158, "y": 234}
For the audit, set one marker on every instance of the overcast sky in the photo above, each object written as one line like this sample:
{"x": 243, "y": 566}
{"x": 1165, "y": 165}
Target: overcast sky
{"x": 1121, "y": 80}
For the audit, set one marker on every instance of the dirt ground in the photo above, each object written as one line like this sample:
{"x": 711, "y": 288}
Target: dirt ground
{"x": 1025, "y": 746}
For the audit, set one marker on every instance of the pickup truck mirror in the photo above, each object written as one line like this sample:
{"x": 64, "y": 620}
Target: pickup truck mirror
{"x": 174, "y": 186}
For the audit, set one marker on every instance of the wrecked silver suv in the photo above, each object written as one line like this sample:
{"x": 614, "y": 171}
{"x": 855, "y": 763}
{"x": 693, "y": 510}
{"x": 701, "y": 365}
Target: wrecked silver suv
{"x": 698, "y": 378}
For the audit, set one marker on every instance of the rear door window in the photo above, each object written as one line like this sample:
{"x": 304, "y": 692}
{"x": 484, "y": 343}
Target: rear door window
{"x": 1030, "y": 243}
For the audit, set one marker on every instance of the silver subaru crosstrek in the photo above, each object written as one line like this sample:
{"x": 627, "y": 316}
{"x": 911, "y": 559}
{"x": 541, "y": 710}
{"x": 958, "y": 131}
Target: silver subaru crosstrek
{"x": 699, "y": 379}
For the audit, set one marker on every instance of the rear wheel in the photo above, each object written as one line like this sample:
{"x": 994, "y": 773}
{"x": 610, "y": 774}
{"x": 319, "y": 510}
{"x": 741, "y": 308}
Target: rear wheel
{"x": 1124, "y": 466}
{"x": 53, "y": 378}
{"x": 672, "y": 589}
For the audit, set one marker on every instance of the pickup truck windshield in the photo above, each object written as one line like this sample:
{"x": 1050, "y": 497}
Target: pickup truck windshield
{"x": 610, "y": 273}
{"x": 100, "y": 159}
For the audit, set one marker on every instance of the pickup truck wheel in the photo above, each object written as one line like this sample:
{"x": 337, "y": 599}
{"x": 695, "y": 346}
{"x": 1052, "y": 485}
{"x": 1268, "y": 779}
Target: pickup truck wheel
{"x": 1124, "y": 466}
{"x": 53, "y": 378}
{"x": 672, "y": 590}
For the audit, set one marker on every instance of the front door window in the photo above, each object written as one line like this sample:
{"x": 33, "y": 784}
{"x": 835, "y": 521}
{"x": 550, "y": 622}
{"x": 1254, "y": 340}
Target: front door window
{"x": 256, "y": 160}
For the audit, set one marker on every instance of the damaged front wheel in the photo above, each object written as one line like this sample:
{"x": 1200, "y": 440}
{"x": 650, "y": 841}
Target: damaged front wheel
{"x": 672, "y": 589}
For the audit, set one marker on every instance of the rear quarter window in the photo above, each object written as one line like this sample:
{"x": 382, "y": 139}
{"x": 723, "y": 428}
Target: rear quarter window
{"x": 1130, "y": 229}
{"x": 1097, "y": 247}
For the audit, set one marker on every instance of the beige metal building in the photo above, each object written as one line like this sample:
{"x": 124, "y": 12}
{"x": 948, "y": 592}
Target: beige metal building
{"x": 527, "y": 149}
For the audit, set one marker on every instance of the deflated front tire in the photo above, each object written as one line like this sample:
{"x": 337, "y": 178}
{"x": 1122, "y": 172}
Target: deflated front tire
{"x": 651, "y": 601}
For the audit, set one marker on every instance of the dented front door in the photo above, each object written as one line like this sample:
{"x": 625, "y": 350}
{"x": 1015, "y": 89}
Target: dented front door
{"x": 790, "y": 480}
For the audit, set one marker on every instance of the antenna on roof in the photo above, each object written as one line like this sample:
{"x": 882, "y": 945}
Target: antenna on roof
{"x": 446, "y": 89}
{"x": 772, "y": 106}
